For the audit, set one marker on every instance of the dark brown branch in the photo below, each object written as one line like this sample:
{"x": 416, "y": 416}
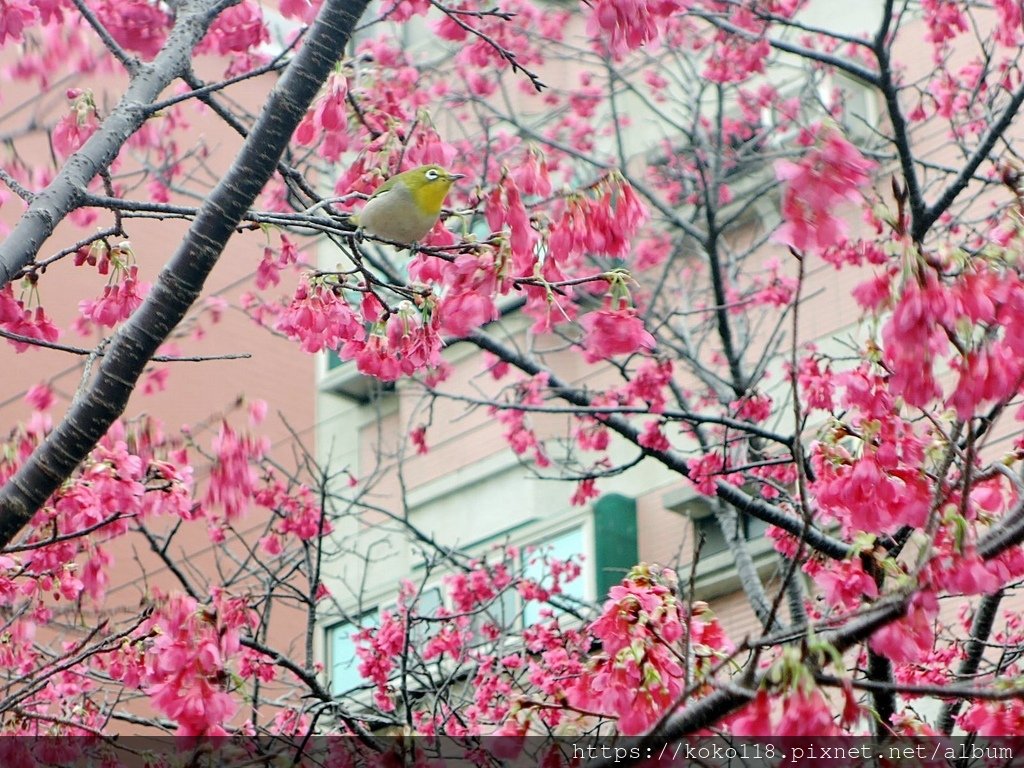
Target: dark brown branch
{"x": 901, "y": 135}
{"x": 926, "y": 218}
{"x": 65, "y": 193}
{"x": 709, "y": 710}
{"x": 981, "y": 628}
{"x": 181, "y": 281}
{"x": 82, "y": 351}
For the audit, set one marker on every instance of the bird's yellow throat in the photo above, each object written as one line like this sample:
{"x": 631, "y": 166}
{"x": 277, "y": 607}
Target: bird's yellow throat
{"x": 431, "y": 196}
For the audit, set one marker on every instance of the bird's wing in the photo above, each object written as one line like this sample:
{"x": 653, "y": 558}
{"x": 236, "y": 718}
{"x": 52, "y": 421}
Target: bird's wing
{"x": 383, "y": 187}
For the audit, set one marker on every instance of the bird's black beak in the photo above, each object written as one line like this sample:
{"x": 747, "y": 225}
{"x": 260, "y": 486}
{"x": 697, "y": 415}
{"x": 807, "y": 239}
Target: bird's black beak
{"x": 456, "y": 176}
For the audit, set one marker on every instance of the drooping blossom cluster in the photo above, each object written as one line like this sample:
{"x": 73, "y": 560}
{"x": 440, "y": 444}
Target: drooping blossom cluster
{"x": 326, "y": 123}
{"x": 964, "y": 323}
{"x": 139, "y": 26}
{"x": 237, "y": 35}
{"x": 625, "y": 26}
{"x": 615, "y": 330}
{"x": 233, "y": 477}
{"x": 268, "y": 274}
{"x": 832, "y": 172}
{"x": 319, "y": 318}
{"x": 801, "y": 710}
{"x": 298, "y": 512}
{"x": 121, "y": 297}
{"x": 17, "y": 316}
{"x": 77, "y": 125}
{"x": 184, "y": 666}
{"x": 639, "y": 673}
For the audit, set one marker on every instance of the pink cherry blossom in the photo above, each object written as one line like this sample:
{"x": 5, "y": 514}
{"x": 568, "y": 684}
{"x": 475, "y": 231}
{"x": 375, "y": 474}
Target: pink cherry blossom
{"x": 845, "y": 584}
{"x": 629, "y": 24}
{"x": 829, "y": 174}
{"x": 233, "y": 477}
{"x": 638, "y": 673}
{"x": 320, "y": 319}
{"x": 611, "y": 332}
{"x": 911, "y": 637}
{"x": 238, "y": 29}
{"x": 15, "y": 15}
{"x": 138, "y": 25}
{"x": 118, "y": 302}
{"x": 185, "y": 667}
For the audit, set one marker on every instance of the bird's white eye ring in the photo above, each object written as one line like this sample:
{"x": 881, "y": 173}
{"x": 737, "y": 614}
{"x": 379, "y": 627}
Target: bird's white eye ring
{"x": 431, "y": 175}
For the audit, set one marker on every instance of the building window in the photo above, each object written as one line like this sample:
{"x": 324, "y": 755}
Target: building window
{"x": 343, "y": 661}
{"x": 606, "y": 540}
{"x": 562, "y": 546}
{"x": 427, "y": 605}
{"x": 714, "y": 540}
{"x": 344, "y": 664}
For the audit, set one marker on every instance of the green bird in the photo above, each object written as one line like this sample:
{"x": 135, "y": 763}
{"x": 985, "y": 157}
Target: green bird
{"x": 405, "y": 207}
